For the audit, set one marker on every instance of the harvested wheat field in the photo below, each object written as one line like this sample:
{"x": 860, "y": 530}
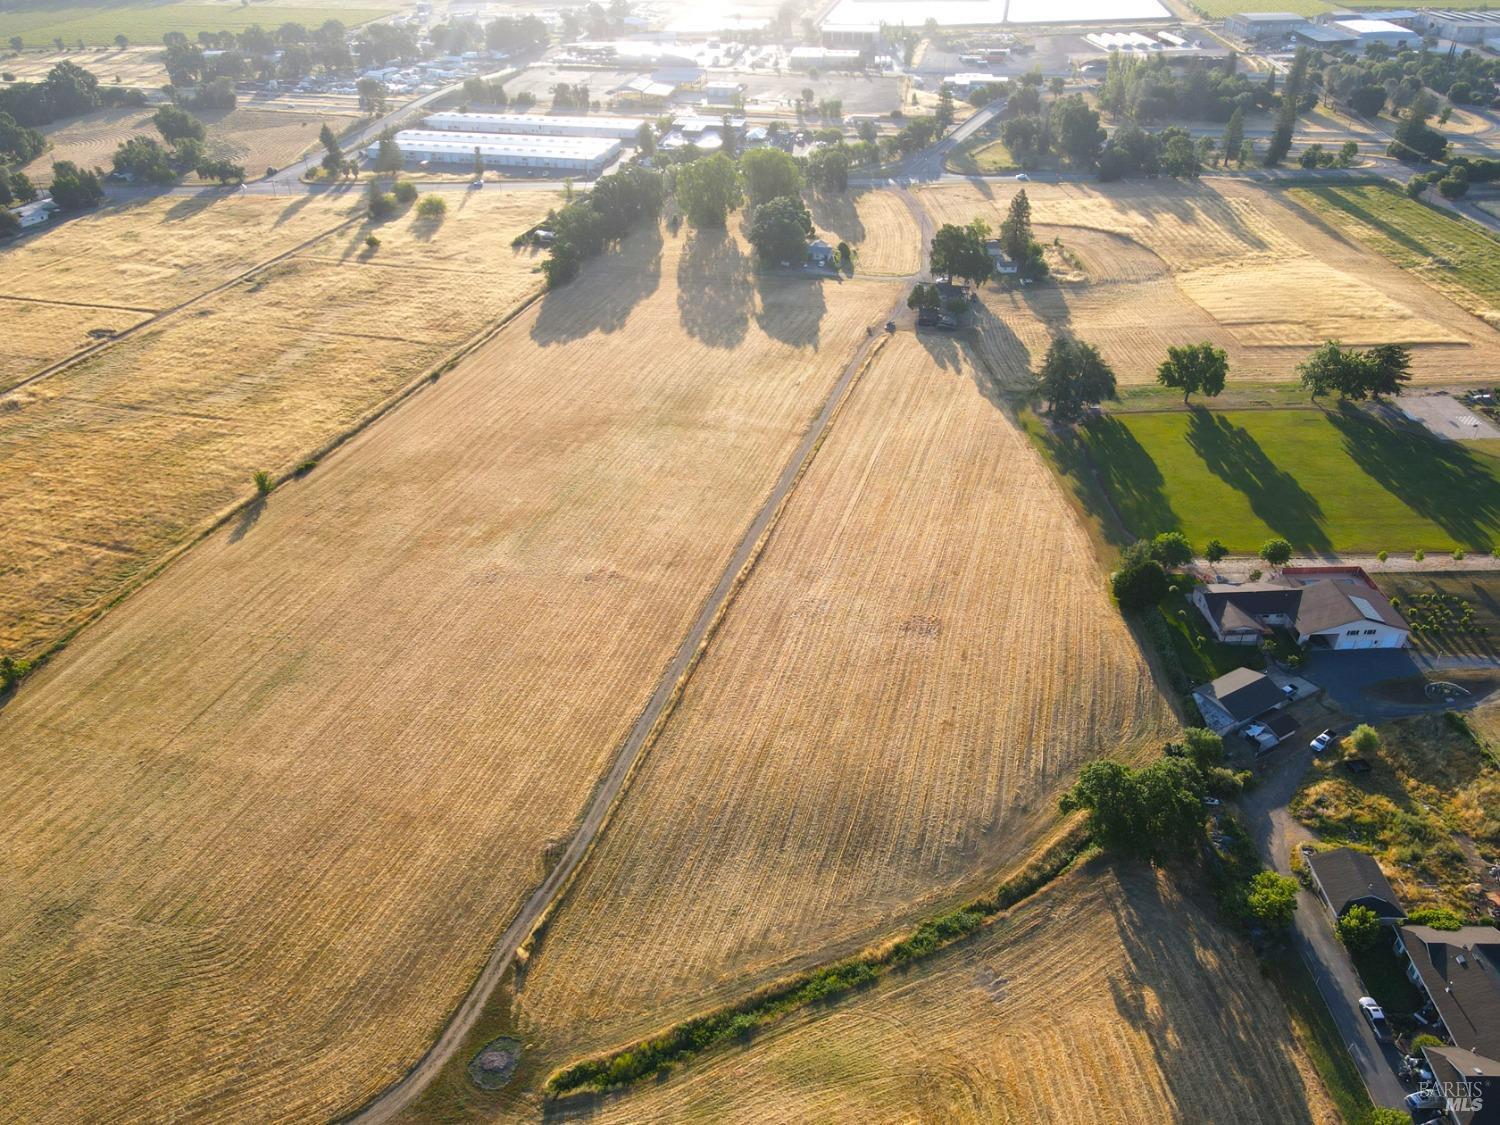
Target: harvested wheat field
{"x": 884, "y": 719}
{"x": 1236, "y": 264}
{"x": 90, "y": 141}
{"x": 258, "y": 839}
{"x": 878, "y": 226}
{"x": 1102, "y": 999}
{"x": 159, "y": 252}
{"x": 118, "y": 458}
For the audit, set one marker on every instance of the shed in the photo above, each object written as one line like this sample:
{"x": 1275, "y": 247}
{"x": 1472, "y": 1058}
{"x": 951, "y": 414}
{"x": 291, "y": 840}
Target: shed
{"x": 1347, "y": 877}
{"x": 819, "y": 253}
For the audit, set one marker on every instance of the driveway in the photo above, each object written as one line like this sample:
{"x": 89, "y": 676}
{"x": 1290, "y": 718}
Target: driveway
{"x": 1276, "y": 833}
{"x": 1348, "y": 676}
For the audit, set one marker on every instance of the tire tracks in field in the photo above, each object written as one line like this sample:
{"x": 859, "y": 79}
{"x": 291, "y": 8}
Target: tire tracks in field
{"x": 395, "y": 1098}
{"x": 162, "y": 314}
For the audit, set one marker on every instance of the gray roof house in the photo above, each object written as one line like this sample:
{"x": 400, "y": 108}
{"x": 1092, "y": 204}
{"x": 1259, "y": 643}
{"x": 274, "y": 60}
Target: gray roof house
{"x": 1470, "y": 1082}
{"x": 1336, "y": 608}
{"x": 1237, "y": 697}
{"x": 1460, "y": 972}
{"x": 1348, "y": 877}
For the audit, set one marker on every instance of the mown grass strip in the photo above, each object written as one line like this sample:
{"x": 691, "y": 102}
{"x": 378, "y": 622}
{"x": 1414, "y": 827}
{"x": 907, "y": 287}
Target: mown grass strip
{"x": 680, "y": 1044}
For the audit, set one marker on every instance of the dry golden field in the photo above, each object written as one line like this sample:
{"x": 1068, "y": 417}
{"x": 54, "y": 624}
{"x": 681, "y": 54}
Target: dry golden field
{"x": 262, "y": 822}
{"x": 923, "y": 657}
{"x": 256, "y": 138}
{"x": 877, "y": 225}
{"x": 117, "y": 458}
{"x": 1232, "y": 263}
{"x": 113, "y": 268}
{"x": 1104, "y": 999}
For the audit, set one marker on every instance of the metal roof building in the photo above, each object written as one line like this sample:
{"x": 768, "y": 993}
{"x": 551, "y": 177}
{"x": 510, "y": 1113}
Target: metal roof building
{"x": 505, "y": 150}
{"x": 540, "y": 124}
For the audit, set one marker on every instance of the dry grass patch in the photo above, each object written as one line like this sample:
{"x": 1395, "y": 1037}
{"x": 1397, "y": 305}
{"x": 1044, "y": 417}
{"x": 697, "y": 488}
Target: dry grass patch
{"x": 119, "y": 457}
{"x": 877, "y": 225}
{"x": 37, "y": 333}
{"x": 262, "y": 822}
{"x": 256, "y": 138}
{"x": 1230, "y": 263}
{"x": 922, "y": 658}
{"x": 1108, "y": 998}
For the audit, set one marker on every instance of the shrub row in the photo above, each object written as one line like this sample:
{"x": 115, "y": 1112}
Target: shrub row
{"x": 820, "y": 986}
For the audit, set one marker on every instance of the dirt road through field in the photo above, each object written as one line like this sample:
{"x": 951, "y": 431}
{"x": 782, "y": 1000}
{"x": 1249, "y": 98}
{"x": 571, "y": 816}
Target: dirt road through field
{"x": 395, "y": 1099}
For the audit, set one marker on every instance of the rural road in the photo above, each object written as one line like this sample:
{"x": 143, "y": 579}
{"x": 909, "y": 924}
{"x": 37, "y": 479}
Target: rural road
{"x": 1276, "y": 832}
{"x": 389, "y": 1103}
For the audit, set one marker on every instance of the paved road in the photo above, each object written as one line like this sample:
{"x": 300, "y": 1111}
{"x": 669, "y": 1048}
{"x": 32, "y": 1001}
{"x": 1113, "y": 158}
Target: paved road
{"x": 1276, "y": 833}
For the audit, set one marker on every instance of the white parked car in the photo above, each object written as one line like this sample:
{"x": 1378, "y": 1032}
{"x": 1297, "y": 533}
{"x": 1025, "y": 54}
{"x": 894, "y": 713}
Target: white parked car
{"x": 1376, "y": 1015}
{"x": 1320, "y": 744}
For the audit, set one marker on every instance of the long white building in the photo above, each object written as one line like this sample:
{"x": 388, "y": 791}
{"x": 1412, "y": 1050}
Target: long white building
{"x": 588, "y": 155}
{"x": 537, "y": 124}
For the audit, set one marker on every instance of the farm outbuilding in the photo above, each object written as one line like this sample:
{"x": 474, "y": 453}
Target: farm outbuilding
{"x": 1346, "y": 877}
{"x": 1264, "y": 25}
{"x": 588, "y": 155}
{"x": 536, "y": 124}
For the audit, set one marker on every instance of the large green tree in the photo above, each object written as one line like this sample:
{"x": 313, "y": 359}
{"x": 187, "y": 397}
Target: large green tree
{"x": 768, "y": 174}
{"x": 1074, "y": 376}
{"x": 1075, "y": 124}
{"x": 959, "y": 252}
{"x": 1154, "y": 813}
{"x": 1194, "y": 369}
{"x": 708, "y": 189}
{"x": 780, "y": 230}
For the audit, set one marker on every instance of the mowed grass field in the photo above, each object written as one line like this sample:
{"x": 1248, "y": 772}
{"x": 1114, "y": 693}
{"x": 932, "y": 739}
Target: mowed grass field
{"x": 142, "y": 66}
{"x": 1457, "y": 257}
{"x": 95, "y": 24}
{"x": 119, "y": 458}
{"x": 1163, "y": 263}
{"x": 1339, "y": 480}
{"x": 1108, "y": 997}
{"x": 923, "y": 657}
{"x": 262, "y": 822}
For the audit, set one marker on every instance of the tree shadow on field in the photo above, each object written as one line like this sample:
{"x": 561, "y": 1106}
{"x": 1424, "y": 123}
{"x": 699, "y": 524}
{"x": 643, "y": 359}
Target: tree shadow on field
{"x": 714, "y": 292}
{"x": 1275, "y": 496}
{"x": 1002, "y": 365}
{"x": 1172, "y": 988}
{"x": 1438, "y": 479}
{"x": 1192, "y": 205}
{"x": 188, "y": 206}
{"x": 290, "y": 211}
{"x": 248, "y": 519}
{"x": 791, "y": 307}
{"x": 838, "y": 215}
{"x": 609, "y": 288}
{"x": 1131, "y": 479}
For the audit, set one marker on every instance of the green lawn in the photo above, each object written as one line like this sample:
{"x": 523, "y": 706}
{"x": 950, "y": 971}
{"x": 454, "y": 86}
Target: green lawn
{"x": 983, "y": 156}
{"x": 1327, "y": 480}
{"x": 38, "y": 22}
{"x": 1201, "y": 655}
{"x": 1455, "y": 256}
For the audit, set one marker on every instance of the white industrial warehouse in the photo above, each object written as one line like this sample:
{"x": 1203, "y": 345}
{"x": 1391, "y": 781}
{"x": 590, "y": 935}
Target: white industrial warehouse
{"x": 588, "y": 155}
{"x": 539, "y": 124}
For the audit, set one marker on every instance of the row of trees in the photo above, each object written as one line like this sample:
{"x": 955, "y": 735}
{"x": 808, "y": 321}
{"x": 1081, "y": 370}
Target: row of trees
{"x": 67, "y": 91}
{"x": 1383, "y": 77}
{"x": 149, "y": 160}
{"x": 1145, "y": 90}
{"x": 584, "y": 227}
{"x": 1356, "y": 374}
